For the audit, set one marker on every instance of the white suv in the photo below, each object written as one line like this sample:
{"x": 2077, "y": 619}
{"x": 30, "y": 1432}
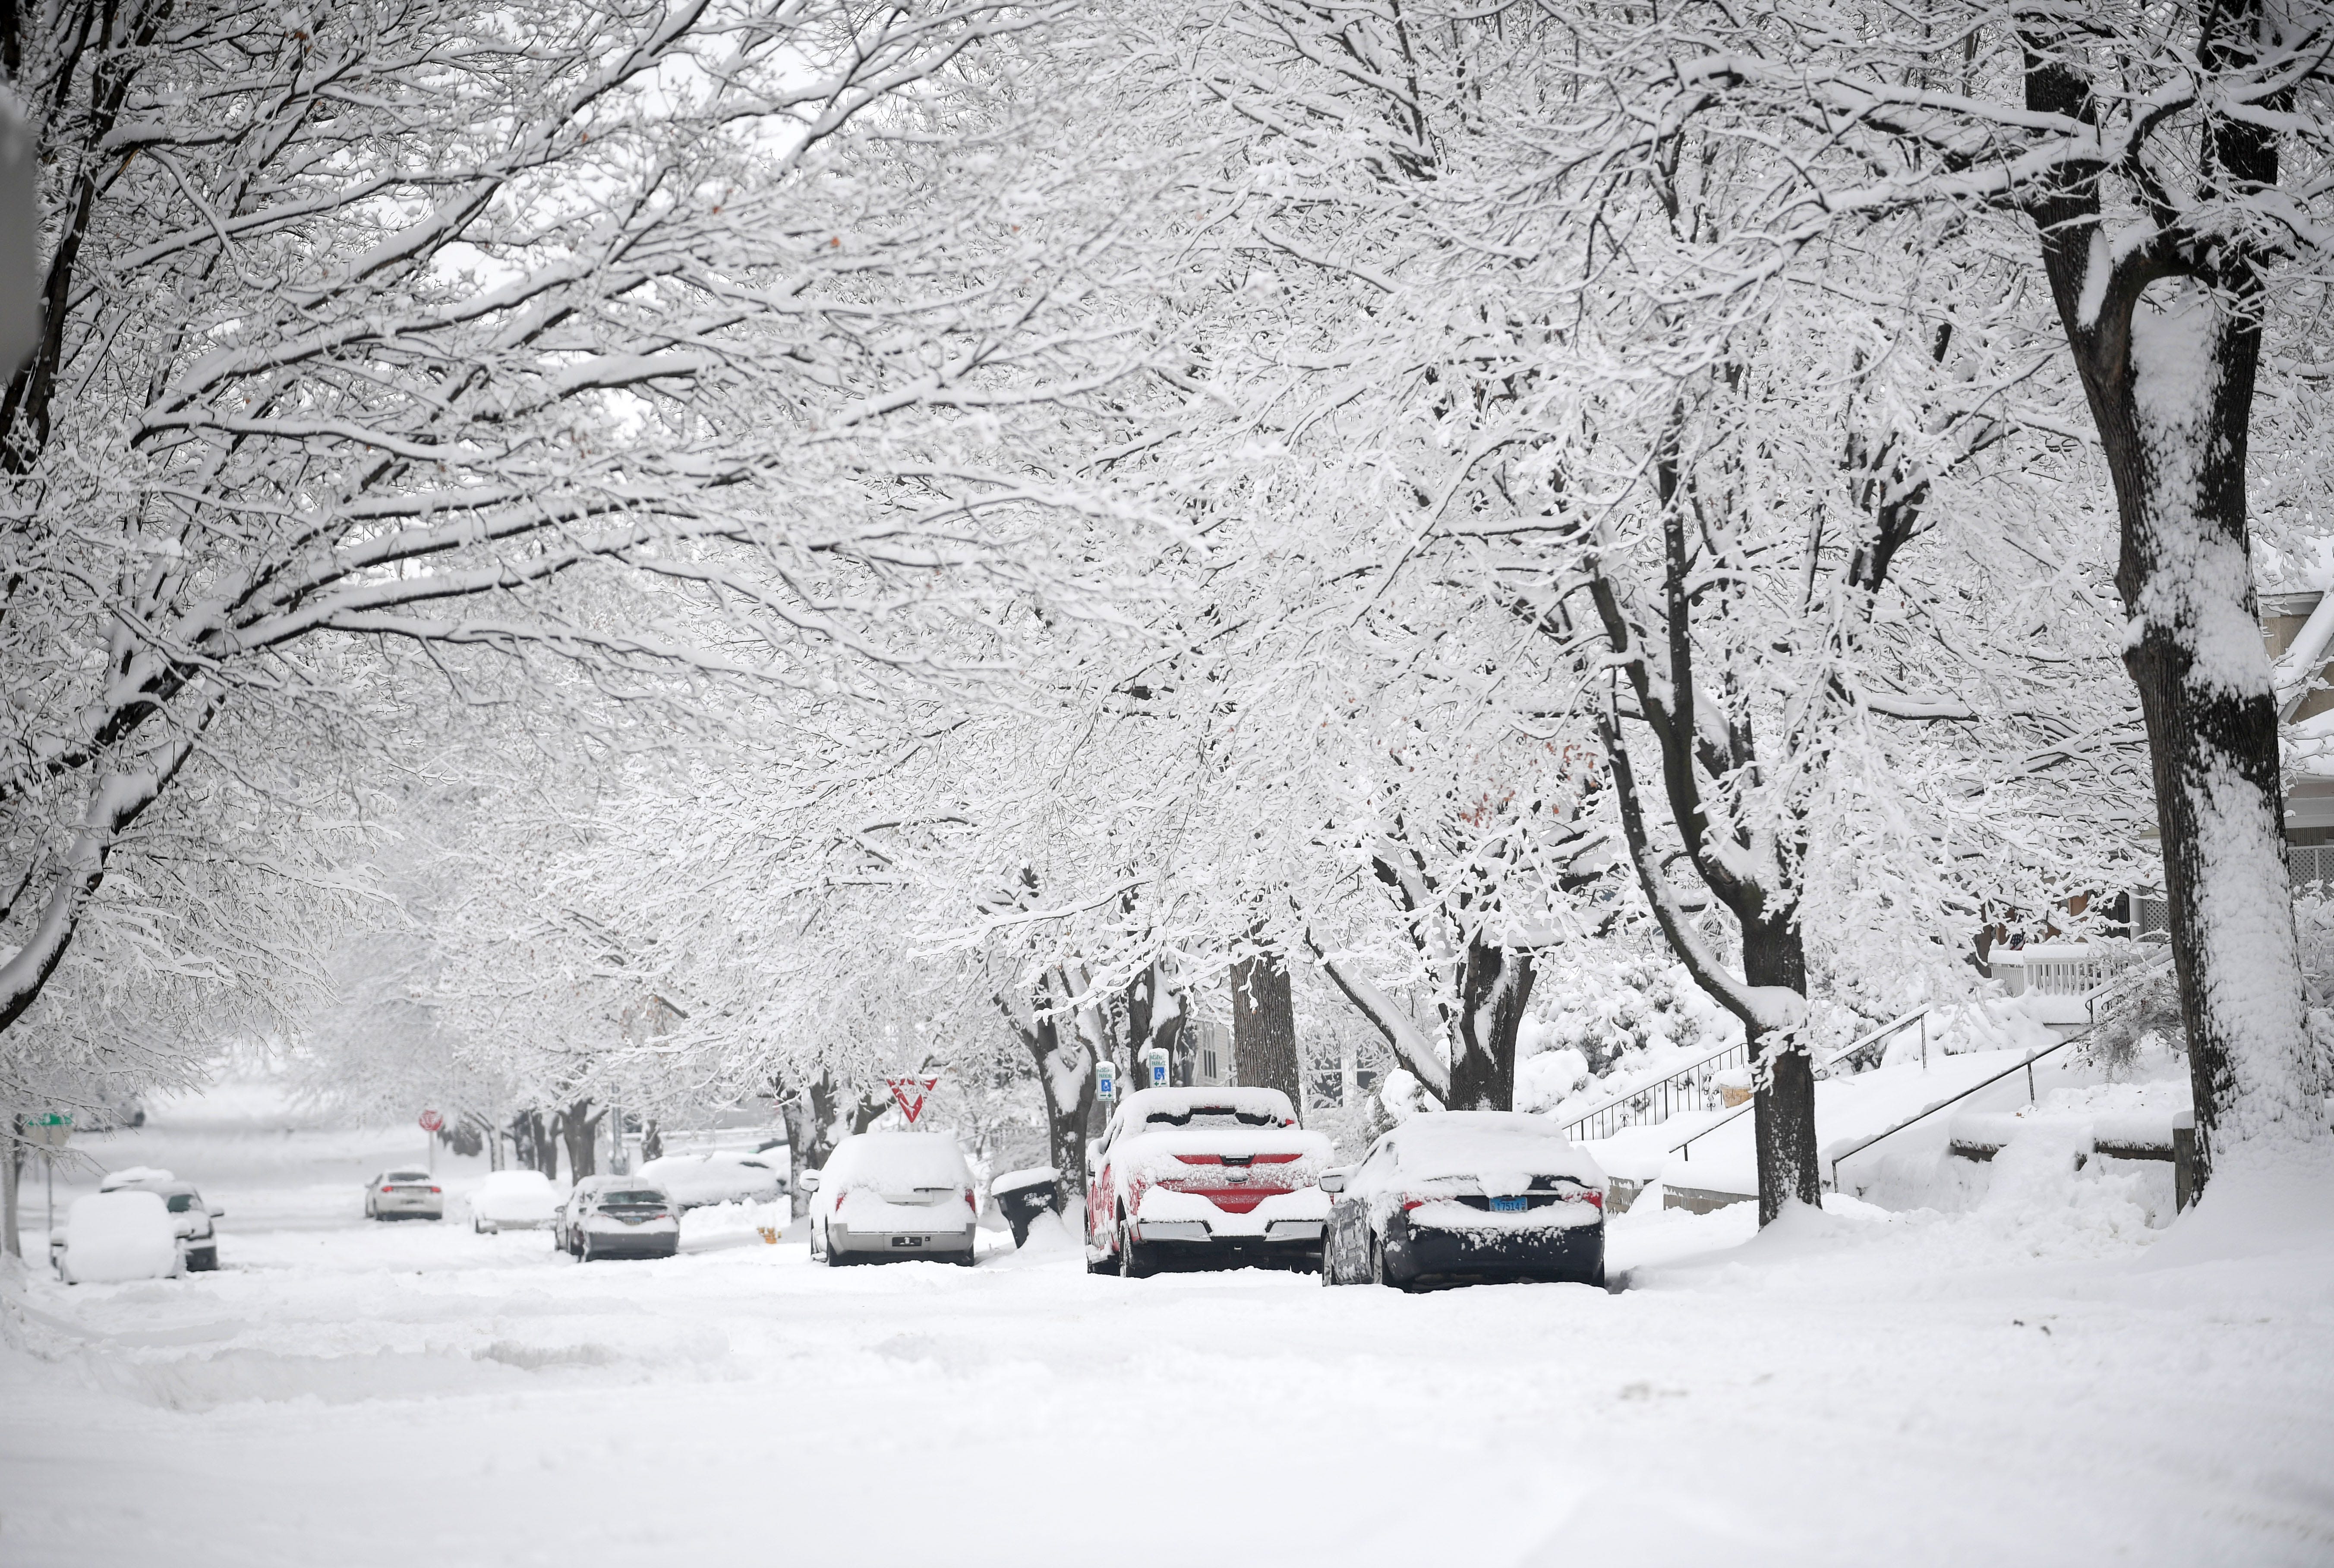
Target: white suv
{"x": 892, "y": 1195}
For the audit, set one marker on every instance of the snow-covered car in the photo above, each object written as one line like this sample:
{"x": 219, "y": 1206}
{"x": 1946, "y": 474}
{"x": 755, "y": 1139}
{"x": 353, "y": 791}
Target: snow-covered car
{"x": 1462, "y": 1196}
{"x": 189, "y": 1215}
{"x": 697, "y": 1181}
{"x": 1213, "y": 1178}
{"x": 123, "y": 1235}
{"x": 892, "y": 1195}
{"x": 404, "y": 1194}
{"x": 617, "y": 1216}
{"x": 513, "y": 1201}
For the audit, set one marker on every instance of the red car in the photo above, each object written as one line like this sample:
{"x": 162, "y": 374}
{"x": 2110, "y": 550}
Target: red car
{"x": 1205, "y": 1177}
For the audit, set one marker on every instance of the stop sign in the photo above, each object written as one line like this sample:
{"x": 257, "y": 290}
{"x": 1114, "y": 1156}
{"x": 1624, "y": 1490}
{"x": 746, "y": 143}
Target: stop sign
{"x": 431, "y": 1122}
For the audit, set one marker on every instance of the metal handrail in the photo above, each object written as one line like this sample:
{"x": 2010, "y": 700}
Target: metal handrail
{"x": 2091, "y": 1000}
{"x": 1894, "y": 1026}
{"x": 2026, "y": 1067}
{"x": 1825, "y": 1067}
{"x": 1694, "y": 1075}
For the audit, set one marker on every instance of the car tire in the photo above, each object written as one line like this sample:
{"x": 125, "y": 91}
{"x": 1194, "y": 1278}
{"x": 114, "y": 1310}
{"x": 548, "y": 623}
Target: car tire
{"x": 582, "y": 1249}
{"x": 1134, "y": 1261}
{"x": 1377, "y": 1263}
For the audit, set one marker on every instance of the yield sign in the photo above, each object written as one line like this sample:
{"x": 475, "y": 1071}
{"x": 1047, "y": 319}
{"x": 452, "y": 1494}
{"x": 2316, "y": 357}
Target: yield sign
{"x": 909, "y": 1090}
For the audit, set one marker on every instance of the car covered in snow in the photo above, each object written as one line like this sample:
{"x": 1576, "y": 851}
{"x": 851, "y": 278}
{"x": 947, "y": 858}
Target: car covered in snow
{"x": 404, "y": 1194}
{"x": 1467, "y": 1197}
{"x": 1211, "y": 1178}
{"x": 892, "y": 1195}
{"x": 617, "y": 1216}
{"x": 189, "y": 1215}
{"x": 513, "y": 1201}
{"x": 701, "y": 1181}
{"x": 123, "y": 1235}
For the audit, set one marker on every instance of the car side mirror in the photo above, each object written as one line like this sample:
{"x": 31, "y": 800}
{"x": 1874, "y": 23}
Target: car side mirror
{"x": 1332, "y": 1181}
{"x": 810, "y": 1181}
{"x": 219, "y": 1214}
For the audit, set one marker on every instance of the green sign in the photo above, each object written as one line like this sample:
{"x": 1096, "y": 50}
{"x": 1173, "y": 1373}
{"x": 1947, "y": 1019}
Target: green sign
{"x": 53, "y": 1119}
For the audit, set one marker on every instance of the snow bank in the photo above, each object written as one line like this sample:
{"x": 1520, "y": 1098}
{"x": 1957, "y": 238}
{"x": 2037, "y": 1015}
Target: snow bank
{"x": 2255, "y": 1204}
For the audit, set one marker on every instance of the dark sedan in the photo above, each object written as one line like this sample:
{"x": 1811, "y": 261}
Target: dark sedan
{"x": 1466, "y": 1197}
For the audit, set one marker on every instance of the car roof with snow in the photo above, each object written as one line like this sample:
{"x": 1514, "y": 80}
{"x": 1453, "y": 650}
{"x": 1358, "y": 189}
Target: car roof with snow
{"x": 520, "y": 1178}
{"x": 925, "y": 1158}
{"x": 1222, "y": 1105}
{"x": 147, "y": 1176}
{"x": 1441, "y": 1144}
{"x": 593, "y": 1186}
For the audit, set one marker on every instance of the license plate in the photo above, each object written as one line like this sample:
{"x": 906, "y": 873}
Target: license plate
{"x": 907, "y": 1241}
{"x": 1509, "y": 1204}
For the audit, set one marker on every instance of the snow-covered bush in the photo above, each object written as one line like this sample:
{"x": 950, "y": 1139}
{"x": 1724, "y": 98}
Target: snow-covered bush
{"x": 1611, "y": 1021}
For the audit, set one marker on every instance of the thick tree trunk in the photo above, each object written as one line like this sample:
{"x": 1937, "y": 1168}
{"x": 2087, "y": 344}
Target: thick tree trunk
{"x": 811, "y": 1115}
{"x": 1492, "y": 994}
{"x": 1264, "y": 1029}
{"x": 1065, "y": 1077}
{"x": 1783, "y": 1108}
{"x": 532, "y": 1144}
{"x": 1067, "y": 1111}
{"x": 11, "y": 1172}
{"x": 2170, "y": 385}
{"x": 579, "y": 1129}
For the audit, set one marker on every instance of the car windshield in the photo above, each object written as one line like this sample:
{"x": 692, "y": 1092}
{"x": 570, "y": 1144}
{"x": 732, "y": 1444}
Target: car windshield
{"x": 1211, "y": 1116}
{"x": 633, "y": 1198}
{"x": 181, "y": 1202}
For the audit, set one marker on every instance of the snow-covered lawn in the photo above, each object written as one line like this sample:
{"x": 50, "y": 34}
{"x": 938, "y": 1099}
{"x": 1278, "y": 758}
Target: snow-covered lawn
{"x": 2035, "y": 1382}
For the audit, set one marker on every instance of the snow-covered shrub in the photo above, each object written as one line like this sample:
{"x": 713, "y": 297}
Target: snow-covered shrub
{"x": 1619, "y": 1019}
{"x": 1544, "y": 1078}
{"x": 2141, "y": 1017}
{"x": 2313, "y": 919}
{"x": 1403, "y": 1095}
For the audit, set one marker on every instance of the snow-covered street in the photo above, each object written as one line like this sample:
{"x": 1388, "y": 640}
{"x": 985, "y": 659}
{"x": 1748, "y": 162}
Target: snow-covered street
{"x": 1861, "y": 1389}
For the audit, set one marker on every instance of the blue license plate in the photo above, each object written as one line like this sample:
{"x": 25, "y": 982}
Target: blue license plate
{"x": 1509, "y": 1204}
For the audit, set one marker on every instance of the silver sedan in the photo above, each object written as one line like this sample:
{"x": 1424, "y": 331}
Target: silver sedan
{"x": 404, "y": 1194}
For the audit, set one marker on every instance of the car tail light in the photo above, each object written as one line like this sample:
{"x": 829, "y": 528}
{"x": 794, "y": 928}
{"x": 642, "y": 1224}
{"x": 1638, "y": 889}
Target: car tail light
{"x": 1588, "y": 1195}
{"x": 1414, "y": 1202}
{"x": 971, "y": 1202}
{"x": 434, "y": 1190}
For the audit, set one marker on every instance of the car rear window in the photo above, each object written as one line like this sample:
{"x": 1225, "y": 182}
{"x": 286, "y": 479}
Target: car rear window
{"x": 1211, "y": 1116}
{"x": 409, "y": 1176}
{"x": 633, "y": 1198}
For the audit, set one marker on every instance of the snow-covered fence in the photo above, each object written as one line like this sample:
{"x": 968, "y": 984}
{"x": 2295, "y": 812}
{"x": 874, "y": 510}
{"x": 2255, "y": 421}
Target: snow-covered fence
{"x": 2310, "y": 863}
